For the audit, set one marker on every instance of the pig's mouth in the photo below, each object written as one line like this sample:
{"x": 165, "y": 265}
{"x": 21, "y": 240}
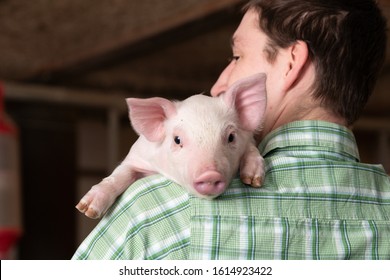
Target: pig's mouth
{"x": 210, "y": 184}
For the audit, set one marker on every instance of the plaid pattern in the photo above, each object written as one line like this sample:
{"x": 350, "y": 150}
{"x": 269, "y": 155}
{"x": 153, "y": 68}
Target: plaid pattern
{"x": 317, "y": 202}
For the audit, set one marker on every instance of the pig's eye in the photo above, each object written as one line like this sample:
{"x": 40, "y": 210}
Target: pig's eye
{"x": 177, "y": 140}
{"x": 231, "y": 137}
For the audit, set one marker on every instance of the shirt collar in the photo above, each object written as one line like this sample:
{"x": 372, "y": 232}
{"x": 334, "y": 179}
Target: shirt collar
{"x": 325, "y": 136}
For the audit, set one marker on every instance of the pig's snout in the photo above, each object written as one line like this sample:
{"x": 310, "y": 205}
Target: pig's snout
{"x": 210, "y": 183}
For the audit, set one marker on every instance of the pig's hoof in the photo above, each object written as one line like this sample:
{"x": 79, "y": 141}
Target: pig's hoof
{"x": 82, "y": 206}
{"x": 92, "y": 213}
{"x": 254, "y": 181}
{"x": 252, "y": 170}
{"x": 88, "y": 210}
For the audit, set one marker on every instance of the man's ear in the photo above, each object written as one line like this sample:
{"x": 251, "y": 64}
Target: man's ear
{"x": 297, "y": 56}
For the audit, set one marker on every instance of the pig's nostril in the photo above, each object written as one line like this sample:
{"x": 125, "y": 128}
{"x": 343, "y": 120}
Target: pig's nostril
{"x": 219, "y": 186}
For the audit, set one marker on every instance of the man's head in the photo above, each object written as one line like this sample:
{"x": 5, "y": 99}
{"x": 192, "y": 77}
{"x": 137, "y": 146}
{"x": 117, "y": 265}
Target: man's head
{"x": 340, "y": 43}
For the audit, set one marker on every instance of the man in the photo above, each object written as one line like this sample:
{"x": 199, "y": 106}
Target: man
{"x": 318, "y": 201}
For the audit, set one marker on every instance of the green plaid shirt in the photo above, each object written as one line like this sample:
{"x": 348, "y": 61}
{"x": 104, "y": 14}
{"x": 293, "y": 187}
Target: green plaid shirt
{"x": 318, "y": 202}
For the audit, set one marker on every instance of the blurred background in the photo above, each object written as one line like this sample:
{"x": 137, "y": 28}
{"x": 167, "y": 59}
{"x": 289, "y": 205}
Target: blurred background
{"x": 66, "y": 67}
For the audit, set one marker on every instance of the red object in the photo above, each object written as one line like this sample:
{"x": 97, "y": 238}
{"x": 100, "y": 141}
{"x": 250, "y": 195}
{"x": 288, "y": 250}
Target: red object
{"x": 10, "y": 207}
{"x": 8, "y": 239}
{"x": 6, "y": 126}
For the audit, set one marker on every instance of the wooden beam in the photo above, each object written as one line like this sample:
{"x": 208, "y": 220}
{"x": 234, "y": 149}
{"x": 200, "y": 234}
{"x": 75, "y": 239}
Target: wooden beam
{"x": 83, "y": 98}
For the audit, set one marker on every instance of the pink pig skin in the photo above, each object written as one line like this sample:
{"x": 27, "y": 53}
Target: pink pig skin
{"x": 200, "y": 143}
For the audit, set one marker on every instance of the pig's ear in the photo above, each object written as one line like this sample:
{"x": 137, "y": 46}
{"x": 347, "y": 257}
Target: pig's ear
{"x": 248, "y": 97}
{"x": 148, "y": 116}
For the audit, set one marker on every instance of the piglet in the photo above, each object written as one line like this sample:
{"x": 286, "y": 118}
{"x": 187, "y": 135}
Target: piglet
{"x": 200, "y": 143}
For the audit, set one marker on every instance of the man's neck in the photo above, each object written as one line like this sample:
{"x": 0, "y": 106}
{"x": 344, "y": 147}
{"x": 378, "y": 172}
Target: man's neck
{"x": 318, "y": 113}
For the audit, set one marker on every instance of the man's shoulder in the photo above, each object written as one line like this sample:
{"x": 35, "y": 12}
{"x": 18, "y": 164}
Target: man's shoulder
{"x": 147, "y": 210}
{"x": 150, "y": 192}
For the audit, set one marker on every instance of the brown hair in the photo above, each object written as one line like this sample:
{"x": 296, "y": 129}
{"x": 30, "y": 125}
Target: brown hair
{"x": 346, "y": 41}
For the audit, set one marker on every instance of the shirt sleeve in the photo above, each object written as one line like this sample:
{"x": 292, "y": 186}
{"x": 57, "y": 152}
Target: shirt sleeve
{"x": 129, "y": 229}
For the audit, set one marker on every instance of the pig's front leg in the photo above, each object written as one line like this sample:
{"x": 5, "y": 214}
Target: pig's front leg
{"x": 252, "y": 167}
{"x": 101, "y": 196}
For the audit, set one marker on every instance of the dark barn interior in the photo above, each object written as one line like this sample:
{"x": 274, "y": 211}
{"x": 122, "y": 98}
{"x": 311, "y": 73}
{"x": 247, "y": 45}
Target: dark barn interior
{"x": 66, "y": 68}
